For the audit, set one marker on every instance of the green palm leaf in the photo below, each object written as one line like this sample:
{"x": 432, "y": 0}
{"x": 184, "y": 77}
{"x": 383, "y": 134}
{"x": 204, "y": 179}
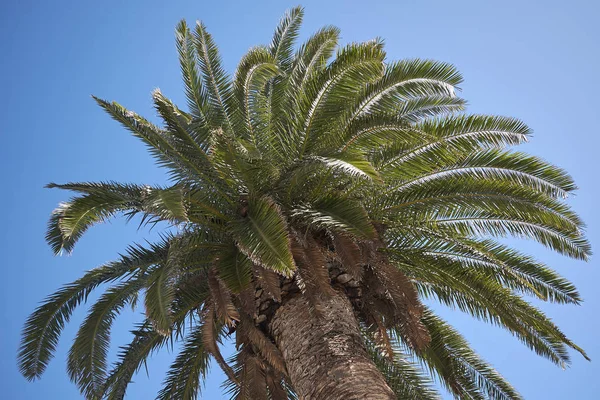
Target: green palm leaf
{"x": 219, "y": 90}
{"x": 282, "y": 45}
{"x": 337, "y": 213}
{"x": 308, "y": 61}
{"x": 188, "y": 369}
{"x": 145, "y": 342}
{"x": 262, "y": 236}
{"x": 159, "y": 295}
{"x": 194, "y": 89}
{"x": 327, "y": 92}
{"x": 404, "y": 80}
{"x": 450, "y": 358}
{"x": 87, "y": 357}
{"x": 43, "y": 327}
{"x": 519, "y": 168}
{"x": 255, "y": 70}
{"x": 102, "y": 201}
{"x": 234, "y": 268}
{"x": 406, "y": 379}
{"x": 485, "y": 299}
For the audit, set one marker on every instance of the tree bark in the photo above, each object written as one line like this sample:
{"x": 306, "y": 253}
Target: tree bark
{"x": 324, "y": 353}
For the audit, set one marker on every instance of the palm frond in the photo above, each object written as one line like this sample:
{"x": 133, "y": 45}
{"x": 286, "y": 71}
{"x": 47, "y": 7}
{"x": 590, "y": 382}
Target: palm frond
{"x": 170, "y": 154}
{"x": 218, "y": 84}
{"x": 312, "y": 270}
{"x": 253, "y": 73}
{"x": 387, "y": 283}
{"x": 349, "y": 254}
{"x": 194, "y": 90}
{"x": 159, "y": 296}
{"x": 401, "y": 81}
{"x": 131, "y": 357}
{"x": 43, "y": 328}
{"x": 309, "y": 60}
{"x": 337, "y": 213}
{"x": 312, "y": 58}
{"x": 234, "y": 268}
{"x": 276, "y": 388}
{"x": 209, "y": 338}
{"x": 186, "y": 133}
{"x": 264, "y": 346}
{"x": 188, "y": 371}
{"x": 354, "y": 66}
{"x": 519, "y": 168}
{"x": 451, "y": 359}
{"x": 269, "y": 281}
{"x": 87, "y": 357}
{"x": 282, "y": 45}
{"x": 506, "y": 266}
{"x": 262, "y": 236}
{"x": 222, "y": 301}
{"x": 252, "y": 378}
{"x": 485, "y": 299}
{"x": 404, "y": 378}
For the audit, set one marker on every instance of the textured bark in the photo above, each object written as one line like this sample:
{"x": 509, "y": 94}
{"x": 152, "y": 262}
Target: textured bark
{"x": 324, "y": 353}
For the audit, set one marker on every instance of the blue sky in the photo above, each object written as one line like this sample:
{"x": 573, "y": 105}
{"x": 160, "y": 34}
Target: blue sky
{"x": 537, "y": 61}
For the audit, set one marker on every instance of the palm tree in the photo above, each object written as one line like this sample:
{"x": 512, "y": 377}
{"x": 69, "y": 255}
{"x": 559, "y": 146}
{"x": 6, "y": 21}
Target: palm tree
{"x": 313, "y": 205}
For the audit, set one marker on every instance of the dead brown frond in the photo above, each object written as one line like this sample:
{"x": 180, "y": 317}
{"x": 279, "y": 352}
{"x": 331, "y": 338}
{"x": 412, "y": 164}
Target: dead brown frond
{"x": 246, "y": 300}
{"x": 390, "y": 293}
{"x": 312, "y": 275}
{"x": 253, "y": 380}
{"x": 381, "y": 337}
{"x": 274, "y": 385}
{"x": 312, "y": 262}
{"x": 349, "y": 255}
{"x": 209, "y": 339}
{"x": 269, "y": 281}
{"x": 408, "y": 306}
{"x": 224, "y": 307}
{"x": 250, "y": 373}
{"x": 250, "y": 334}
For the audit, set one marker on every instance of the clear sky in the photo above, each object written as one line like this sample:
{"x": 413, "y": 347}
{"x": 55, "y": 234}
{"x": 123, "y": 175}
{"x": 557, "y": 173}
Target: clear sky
{"x": 535, "y": 60}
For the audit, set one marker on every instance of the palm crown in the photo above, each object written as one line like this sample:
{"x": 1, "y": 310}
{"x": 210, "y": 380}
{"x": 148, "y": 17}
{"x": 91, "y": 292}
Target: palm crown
{"x": 304, "y": 176}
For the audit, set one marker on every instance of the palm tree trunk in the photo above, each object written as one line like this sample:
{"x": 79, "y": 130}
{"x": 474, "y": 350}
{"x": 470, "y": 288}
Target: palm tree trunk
{"x": 324, "y": 353}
